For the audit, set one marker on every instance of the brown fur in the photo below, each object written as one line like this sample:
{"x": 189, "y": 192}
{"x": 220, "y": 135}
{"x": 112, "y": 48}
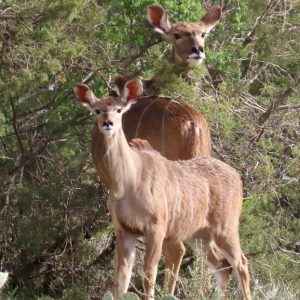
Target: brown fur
{"x": 168, "y": 202}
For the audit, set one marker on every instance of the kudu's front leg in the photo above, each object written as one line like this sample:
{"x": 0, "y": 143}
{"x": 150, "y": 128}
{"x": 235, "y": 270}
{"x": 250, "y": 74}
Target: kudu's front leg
{"x": 124, "y": 259}
{"x": 154, "y": 241}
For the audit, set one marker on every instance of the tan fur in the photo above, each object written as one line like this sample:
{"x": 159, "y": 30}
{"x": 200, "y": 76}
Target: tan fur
{"x": 168, "y": 202}
{"x": 187, "y": 37}
{"x": 171, "y": 127}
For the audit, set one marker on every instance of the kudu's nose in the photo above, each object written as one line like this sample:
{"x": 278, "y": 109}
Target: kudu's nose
{"x": 107, "y": 123}
{"x": 197, "y": 50}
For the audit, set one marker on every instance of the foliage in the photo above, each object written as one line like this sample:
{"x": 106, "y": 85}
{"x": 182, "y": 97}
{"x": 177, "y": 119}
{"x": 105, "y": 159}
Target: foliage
{"x": 57, "y": 240}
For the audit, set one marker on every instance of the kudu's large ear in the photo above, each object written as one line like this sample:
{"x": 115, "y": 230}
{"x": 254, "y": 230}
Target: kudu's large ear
{"x": 85, "y": 96}
{"x": 158, "y": 18}
{"x": 118, "y": 82}
{"x": 132, "y": 89}
{"x": 211, "y": 17}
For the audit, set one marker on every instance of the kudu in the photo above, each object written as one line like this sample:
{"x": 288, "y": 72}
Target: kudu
{"x": 172, "y": 127}
{"x": 166, "y": 201}
{"x": 187, "y": 37}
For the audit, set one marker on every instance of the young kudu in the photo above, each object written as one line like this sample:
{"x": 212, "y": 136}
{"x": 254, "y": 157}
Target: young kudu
{"x": 166, "y": 201}
{"x": 187, "y": 37}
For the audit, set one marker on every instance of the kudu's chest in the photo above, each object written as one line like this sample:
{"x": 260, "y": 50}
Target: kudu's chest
{"x": 127, "y": 215}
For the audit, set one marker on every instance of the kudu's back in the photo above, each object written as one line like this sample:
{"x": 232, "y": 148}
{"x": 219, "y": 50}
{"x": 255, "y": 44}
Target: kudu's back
{"x": 194, "y": 197}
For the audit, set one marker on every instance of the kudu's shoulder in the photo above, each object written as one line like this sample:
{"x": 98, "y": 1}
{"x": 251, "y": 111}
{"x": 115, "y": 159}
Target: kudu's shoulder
{"x": 140, "y": 145}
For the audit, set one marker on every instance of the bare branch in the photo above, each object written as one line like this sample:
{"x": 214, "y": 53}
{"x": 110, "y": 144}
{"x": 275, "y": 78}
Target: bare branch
{"x": 51, "y": 87}
{"x": 14, "y": 120}
{"x": 274, "y": 106}
{"x": 278, "y": 248}
{"x": 12, "y": 17}
{"x": 24, "y": 158}
{"x": 29, "y": 95}
{"x": 19, "y": 164}
{"x": 260, "y": 20}
{"x": 283, "y": 107}
{"x": 250, "y": 103}
{"x": 90, "y": 76}
{"x": 258, "y": 72}
{"x": 131, "y": 58}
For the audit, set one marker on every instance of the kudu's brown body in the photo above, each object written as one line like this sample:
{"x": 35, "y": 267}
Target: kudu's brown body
{"x": 172, "y": 127}
{"x": 166, "y": 201}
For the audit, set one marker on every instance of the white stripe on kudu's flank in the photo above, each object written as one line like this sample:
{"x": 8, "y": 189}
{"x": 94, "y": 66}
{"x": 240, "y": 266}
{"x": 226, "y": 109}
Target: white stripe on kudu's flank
{"x": 140, "y": 119}
{"x": 163, "y": 129}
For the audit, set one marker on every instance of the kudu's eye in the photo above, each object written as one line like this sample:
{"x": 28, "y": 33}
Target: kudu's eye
{"x": 203, "y": 35}
{"x": 97, "y": 111}
{"x": 177, "y": 36}
{"x": 119, "y": 110}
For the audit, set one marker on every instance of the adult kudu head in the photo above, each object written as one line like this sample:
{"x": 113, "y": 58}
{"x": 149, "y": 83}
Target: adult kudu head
{"x": 187, "y": 37}
{"x": 168, "y": 202}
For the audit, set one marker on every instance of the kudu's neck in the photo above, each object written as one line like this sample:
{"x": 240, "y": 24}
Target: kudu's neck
{"x": 122, "y": 162}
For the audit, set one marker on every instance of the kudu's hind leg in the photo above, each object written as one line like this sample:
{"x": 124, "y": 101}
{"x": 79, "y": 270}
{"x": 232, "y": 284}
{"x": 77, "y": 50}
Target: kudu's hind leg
{"x": 220, "y": 266}
{"x": 174, "y": 252}
{"x": 230, "y": 246}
